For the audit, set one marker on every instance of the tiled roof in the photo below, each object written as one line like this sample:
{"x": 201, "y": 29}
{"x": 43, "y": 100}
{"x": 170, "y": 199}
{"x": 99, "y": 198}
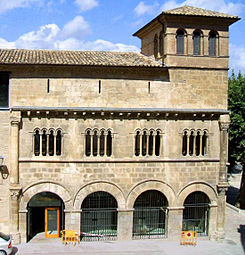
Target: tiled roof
{"x": 82, "y": 58}
{"x": 190, "y": 10}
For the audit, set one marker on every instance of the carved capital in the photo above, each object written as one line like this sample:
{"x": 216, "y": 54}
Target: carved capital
{"x": 222, "y": 188}
{"x": 15, "y": 193}
{"x": 224, "y": 122}
{"x": 15, "y": 118}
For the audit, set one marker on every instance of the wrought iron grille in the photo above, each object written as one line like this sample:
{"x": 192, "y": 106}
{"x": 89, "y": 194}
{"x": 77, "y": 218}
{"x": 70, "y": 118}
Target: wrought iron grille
{"x": 196, "y": 213}
{"x": 150, "y": 215}
{"x": 99, "y": 217}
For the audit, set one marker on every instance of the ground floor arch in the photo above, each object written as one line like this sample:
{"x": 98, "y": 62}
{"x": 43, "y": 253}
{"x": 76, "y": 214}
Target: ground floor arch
{"x": 45, "y": 214}
{"x": 149, "y": 217}
{"x": 99, "y": 217}
{"x": 196, "y": 213}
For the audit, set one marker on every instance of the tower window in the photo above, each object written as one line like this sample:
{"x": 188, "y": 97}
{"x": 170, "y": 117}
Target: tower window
{"x": 180, "y": 41}
{"x": 196, "y": 43}
{"x": 4, "y": 89}
{"x": 212, "y": 43}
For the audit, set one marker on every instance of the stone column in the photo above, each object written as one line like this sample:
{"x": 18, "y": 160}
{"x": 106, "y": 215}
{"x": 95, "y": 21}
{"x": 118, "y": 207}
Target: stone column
{"x": 14, "y": 147}
{"x": 174, "y": 222}
{"x": 14, "y": 213}
{"x": 23, "y": 225}
{"x": 125, "y": 224}
{"x": 72, "y": 220}
{"x": 15, "y": 189}
{"x": 222, "y": 185}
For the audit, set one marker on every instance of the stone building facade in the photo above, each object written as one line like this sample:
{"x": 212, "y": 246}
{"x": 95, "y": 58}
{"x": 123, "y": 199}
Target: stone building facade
{"x": 119, "y": 145}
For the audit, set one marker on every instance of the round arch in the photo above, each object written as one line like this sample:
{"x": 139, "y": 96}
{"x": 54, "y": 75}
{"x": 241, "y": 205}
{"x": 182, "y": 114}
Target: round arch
{"x": 45, "y": 186}
{"x": 197, "y": 186}
{"x": 105, "y": 186}
{"x": 141, "y": 187}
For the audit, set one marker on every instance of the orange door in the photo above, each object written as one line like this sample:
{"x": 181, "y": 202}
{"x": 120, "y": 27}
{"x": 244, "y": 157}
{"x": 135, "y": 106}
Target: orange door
{"x": 52, "y": 222}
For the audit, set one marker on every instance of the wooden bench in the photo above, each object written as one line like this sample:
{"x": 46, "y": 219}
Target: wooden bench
{"x": 70, "y": 236}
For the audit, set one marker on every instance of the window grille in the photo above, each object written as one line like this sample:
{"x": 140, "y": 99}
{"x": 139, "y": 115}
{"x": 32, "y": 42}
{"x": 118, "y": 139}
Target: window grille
{"x": 196, "y": 213}
{"x": 150, "y": 215}
{"x": 99, "y": 217}
{"x": 98, "y": 143}
{"x": 48, "y": 143}
{"x": 180, "y": 41}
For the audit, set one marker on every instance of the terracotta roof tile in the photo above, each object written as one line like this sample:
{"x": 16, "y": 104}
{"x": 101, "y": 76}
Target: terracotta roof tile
{"x": 83, "y": 58}
{"x": 190, "y": 10}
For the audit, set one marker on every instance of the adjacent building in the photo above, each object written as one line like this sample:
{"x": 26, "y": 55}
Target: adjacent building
{"x": 119, "y": 145}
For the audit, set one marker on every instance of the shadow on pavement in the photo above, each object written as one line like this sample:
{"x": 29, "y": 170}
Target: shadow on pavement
{"x": 14, "y": 251}
{"x": 241, "y": 230}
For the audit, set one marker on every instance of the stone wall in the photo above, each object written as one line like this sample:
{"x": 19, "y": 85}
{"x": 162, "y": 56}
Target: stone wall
{"x": 4, "y": 183}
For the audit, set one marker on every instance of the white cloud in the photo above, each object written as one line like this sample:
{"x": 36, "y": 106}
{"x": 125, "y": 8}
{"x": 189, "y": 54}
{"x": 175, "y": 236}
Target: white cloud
{"x": 85, "y": 5}
{"x": 217, "y": 5}
{"x": 77, "y": 28}
{"x": 237, "y": 58}
{"x": 70, "y": 37}
{"x": 12, "y": 4}
{"x": 143, "y": 8}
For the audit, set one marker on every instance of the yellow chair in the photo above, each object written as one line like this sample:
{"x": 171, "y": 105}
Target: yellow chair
{"x": 70, "y": 236}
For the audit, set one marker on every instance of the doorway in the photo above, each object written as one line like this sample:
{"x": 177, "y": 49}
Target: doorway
{"x": 45, "y": 215}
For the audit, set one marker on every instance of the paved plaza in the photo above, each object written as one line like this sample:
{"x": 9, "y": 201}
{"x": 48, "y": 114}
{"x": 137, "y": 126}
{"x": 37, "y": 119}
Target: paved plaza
{"x": 233, "y": 244}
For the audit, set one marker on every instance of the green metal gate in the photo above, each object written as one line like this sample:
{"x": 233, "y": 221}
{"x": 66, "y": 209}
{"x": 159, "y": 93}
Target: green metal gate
{"x": 99, "y": 217}
{"x": 196, "y": 213}
{"x": 150, "y": 215}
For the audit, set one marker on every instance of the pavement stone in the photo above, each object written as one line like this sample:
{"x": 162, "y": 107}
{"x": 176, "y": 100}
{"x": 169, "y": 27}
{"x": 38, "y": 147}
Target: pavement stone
{"x": 233, "y": 244}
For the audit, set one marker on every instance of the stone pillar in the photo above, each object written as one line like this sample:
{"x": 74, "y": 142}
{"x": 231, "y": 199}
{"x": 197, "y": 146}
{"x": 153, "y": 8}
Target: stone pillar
{"x": 174, "y": 222}
{"x": 212, "y": 220}
{"x": 14, "y": 213}
{"x": 15, "y": 189}
{"x": 72, "y": 220}
{"x": 125, "y": 224}
{"x": 14, "y": 147}
{"x": 222, "y": 186}
{"x": 23, "y": 225}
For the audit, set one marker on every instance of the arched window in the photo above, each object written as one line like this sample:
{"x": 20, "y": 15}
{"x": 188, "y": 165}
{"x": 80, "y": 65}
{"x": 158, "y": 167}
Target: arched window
{"x": 212, "y": 43}
{"x": 161, "y": 43}
{"x": 198, "y": 143}
{"x": 99, "y": 216}
{"x": 44, "y": 143}
{"x": 144, "y": 143}
{"x": 195, "y": 214}
{"x": 37, "y": 143}
{"x": 151, "y": 143}
{"x": 196, "y": 42}
{"x": 149, "y": 215}
{"x": 137, "y": 144}
{"x": 184, "y": 144}
{"x": 58, "y": 143}
{"x": 191, "y": 144}
{"x": 109, "y": 144}
{"x": 95, "y": 144}
{"x": 156, "y": 46}
{"x": 51, "y": 143}
{"x": 102, "y": 143}
{"x": 157, "y": 144}
{"x": 204, "y": 143}
{"x": 180, "y": 41}
{"x": 88, "y": 143}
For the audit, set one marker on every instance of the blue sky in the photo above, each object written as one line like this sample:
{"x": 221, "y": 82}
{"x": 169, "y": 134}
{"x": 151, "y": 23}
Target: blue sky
{"x": 100, "y": 24}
